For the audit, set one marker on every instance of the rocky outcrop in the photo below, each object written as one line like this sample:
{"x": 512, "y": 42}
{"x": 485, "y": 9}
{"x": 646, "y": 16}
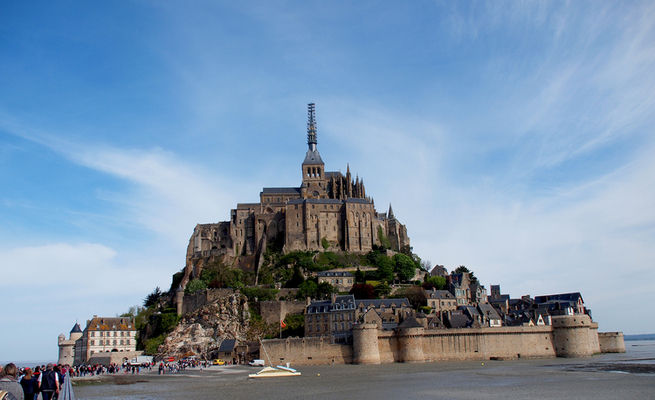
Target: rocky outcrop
{"x": 202, "y": 331}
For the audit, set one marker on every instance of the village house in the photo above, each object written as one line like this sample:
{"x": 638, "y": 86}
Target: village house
{"x": 332, "y": 317}
{"x": 440, "y": 301}
{"x": 342, "y": 280}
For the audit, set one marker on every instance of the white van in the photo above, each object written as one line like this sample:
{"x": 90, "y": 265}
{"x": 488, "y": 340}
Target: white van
{"x": 257, "y": 363}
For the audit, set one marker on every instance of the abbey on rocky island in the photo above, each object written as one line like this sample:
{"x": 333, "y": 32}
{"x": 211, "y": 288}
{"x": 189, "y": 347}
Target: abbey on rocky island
{"x": 329, "y": 210}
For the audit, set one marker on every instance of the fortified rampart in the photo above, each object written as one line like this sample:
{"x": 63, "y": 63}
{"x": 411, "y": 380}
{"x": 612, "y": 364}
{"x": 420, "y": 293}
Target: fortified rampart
{"x": 275, "y": 311}
{"x": 306, "y": 351}
{"x": 611, "y": 342}
{"x": 569, "y": 336}
{"x": 192, "y": 302}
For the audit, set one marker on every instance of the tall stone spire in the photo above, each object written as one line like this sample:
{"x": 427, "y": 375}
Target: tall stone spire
{"x": 311, "y": 126}
{"x": 312, "y": 157}
{"x": 390, "y": 213}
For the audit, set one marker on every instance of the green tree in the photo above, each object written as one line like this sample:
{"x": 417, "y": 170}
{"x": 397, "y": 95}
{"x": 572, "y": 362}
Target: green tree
{"x": 385, "y": 268}
{"x": 434, "y": 282}
{"x": 360, "y": 277}
{"x": 306, "y": 289}
{"x": 296, "y": 279}
{"x": 415, "y": 295}
{"x": 404, "y": 266}
{"x": 152, "y": 298}
{"x": 325, "y": 243}
{"x": 324, "y": 290}
{"x": 382, "y": 290}
{"x": 463, "y": 269}
{"x": 195, "y": 285}
{"x": 295, "y": 325}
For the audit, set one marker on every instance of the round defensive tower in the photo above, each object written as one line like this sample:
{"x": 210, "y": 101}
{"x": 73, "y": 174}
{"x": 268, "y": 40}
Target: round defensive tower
{"x": 76, "y": 332}
{"x": 365, "y": 344}
{"x": 410, "y": 341}
{"x": 611, "y": 342}
{"x": 572, "y": 335}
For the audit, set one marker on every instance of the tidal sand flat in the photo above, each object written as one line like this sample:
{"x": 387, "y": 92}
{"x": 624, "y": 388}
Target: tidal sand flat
{"x": 608, "y": 376}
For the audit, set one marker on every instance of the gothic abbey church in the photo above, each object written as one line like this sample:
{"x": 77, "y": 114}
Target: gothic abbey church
{"x": 328, "y": 209}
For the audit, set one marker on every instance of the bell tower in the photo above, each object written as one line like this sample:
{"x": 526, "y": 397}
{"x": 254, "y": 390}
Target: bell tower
{"x": 314, "y": 183}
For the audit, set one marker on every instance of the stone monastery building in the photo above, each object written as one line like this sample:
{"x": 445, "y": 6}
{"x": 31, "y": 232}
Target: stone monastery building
{"x": 329, "y": 208}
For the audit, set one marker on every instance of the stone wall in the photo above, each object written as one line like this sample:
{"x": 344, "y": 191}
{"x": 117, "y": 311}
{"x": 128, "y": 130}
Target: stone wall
{"x": 305, "y": 351}
{"x": 569, "y": 336}
{"x": 192, "y": 302}
{"x": 611, "y": 342}
{"x": 116, "y": 357}
{"x": 276, "y": 311}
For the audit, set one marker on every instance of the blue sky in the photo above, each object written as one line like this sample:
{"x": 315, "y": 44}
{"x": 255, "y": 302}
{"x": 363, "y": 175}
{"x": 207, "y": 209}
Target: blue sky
{"x": 512, "y": 137}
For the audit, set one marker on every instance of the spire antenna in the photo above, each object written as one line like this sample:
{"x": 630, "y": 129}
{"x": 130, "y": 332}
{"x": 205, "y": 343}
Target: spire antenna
{"x": 311, "y": 126}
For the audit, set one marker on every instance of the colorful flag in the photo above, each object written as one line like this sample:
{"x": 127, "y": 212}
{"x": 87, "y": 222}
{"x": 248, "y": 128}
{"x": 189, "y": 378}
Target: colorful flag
{"x": 282, "y": 324}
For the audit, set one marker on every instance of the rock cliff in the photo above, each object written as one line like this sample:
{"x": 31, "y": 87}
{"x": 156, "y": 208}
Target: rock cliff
{"x": 202, "y": 331}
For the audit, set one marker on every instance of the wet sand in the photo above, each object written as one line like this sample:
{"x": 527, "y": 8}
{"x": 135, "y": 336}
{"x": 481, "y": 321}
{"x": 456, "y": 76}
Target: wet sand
{"x": 608, "y": 376}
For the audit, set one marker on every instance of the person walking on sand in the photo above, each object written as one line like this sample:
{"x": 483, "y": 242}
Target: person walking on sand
{"x": 8, "y": 382}
{"x": 30, "y": 385}
{"x": 48, "y": 383}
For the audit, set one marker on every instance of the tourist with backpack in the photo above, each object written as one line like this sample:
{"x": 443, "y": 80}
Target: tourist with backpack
{"x": 48, "y": 383}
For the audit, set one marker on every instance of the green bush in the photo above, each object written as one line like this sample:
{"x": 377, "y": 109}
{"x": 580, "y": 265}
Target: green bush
{"x": 262, "y": 294}
{"x": 404, "y": 266}
{"x": 295, "y": 325}
{"x": 195, "y": 285}
{"x": 152, "y": 345}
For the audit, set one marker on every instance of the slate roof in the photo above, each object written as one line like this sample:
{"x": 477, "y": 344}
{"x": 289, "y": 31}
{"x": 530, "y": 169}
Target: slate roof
{"x": 312, "y": 158}
{"x": 409, "y": 322}
{"x": 355, "y": 200}
{"x": 76, "y": 328}
{"x": 227, "y": 345}
{"x": 435, "y": 322}
{"x": 335, "y": 273}
{"x": 340, "y": 303}
{"x": 472, "y": 311}
{"x": 281, "y": 190}
{"x": 573, "y": 297}
{"x": 378, "y": 303}
{"x": 440, "y": 294}
{"x": 488, "y": 311}
{"x": 110, "y": 324}
{"x": 457, "y": 319}
{"x": 315, "y": 201}
{"x": 336, "y": 174}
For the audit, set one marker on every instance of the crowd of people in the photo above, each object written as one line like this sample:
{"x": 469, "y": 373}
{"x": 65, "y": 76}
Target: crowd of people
{"x": 48, "y": 380}
{"x": 28, "y": 383}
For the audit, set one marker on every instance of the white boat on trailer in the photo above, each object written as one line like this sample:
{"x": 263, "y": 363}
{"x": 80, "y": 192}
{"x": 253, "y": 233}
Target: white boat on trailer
{"x": 273, "y": 372}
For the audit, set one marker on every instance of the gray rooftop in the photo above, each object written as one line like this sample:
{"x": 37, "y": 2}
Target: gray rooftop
{"x": 227, "y": 345}
{"x": 281, "y": 190}
{"x": 312, "y": 158}
{"x": 315, "y": 201}
{"x": 440, "y": 294}
{"x": 378, "y": 303}
{"x": 335, "y": 273}
{"x": 340, "y": 303}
